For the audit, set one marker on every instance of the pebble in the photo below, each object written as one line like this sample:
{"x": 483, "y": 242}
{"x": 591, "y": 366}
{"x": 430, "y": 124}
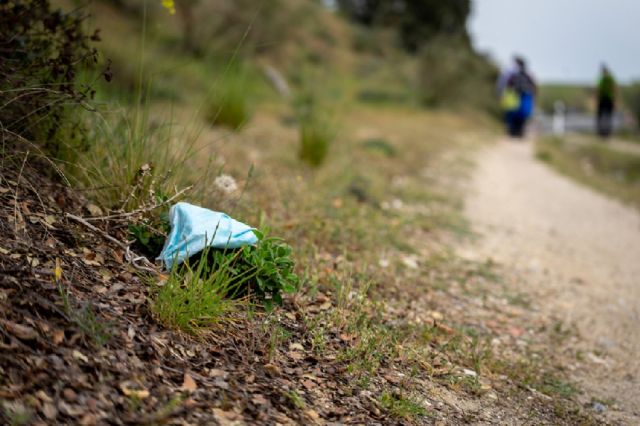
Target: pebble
{"x": 599, "y": 407}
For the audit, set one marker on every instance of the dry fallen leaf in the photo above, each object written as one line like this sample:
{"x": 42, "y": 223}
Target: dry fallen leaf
{"x": 128, "y": 388}
{"x": 312, "y": 414}
{"x": 215, "y": 372}
{"x": 226, "y": 418}
{"x": 20, "y": 331}
{"x": 259, "y": 399}
{"x": 325, "y": 306}
{"x": 189, "y": 384}
{"x": 296, "y": 347}
{"x": 94, "y": 210}
{"x": 80, "y": 356}
{"x": 57, "y": 272}
{"x": 42, "y": 396}
{"x": 49, "y": 410}
{"x": 272, "y": 369}
{"x": 131, "y": 332}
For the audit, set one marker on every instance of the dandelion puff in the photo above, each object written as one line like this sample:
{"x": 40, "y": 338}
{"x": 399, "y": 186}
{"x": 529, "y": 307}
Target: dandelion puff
{"x": 226, "y": 184}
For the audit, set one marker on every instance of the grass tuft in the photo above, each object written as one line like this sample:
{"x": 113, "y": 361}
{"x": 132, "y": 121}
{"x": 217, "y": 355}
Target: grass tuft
{"x": 193, "y": 299}
{"x": 401, "y": 406}
{"x": 230, "y": 106}
{"x": 315, "y": 139}
{"x": 129, "y": 163}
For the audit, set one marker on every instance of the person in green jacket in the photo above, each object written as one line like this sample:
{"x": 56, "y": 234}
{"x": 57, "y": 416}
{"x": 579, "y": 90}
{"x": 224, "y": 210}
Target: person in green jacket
{"x": 606, "y": 102}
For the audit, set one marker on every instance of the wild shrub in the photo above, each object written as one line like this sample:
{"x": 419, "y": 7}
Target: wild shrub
{"x": 42, "y": 51}
{"x": 452, "y": 74}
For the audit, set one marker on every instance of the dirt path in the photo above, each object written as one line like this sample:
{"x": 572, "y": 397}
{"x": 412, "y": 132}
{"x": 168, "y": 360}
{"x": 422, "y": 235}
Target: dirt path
{"x": 578, "y": 253}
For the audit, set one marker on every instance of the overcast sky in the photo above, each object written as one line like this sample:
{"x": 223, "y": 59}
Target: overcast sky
{"x": 563, "y": 40}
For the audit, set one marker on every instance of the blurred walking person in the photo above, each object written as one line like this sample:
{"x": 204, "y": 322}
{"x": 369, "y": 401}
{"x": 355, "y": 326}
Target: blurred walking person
{"x": 517, "y": 96}
{"x": 606, "y": 102}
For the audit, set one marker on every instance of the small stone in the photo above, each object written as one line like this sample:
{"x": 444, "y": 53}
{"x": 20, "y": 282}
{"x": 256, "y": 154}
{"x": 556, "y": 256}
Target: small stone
{"x": 599, "y": 407}
{"x": 468, "y": 372}
{"x": 312, "y": 414}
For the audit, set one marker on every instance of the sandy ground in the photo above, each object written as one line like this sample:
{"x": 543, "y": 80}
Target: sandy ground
{"x": 578, "y": 253}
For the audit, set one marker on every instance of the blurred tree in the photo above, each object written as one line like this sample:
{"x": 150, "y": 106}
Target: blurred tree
{"x": 415, "y": 20}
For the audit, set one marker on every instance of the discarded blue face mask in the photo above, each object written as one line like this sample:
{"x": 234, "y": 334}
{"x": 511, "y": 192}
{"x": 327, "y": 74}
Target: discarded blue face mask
{"x": 194, "y": 228}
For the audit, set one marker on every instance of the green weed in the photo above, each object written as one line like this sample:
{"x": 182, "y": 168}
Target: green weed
{"x": 264, "y": 271}
{"x": 401, "y": 406}
{"x": 151, "y": 231}
{"x": 277, "y": 336}
{"x": 295, "y": 399}
{"x": 85, "y": 319}
{"x": 554, "y": 386}
{"x": 193, "y": 299}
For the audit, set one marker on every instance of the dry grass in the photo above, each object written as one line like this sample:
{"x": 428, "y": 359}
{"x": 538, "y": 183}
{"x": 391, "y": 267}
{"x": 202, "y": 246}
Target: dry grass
{"x": 595, "y": 164}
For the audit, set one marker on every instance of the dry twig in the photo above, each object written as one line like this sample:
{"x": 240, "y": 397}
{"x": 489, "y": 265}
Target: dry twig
{"x": 142, "y": 210}
{"x": 139, "y": 262}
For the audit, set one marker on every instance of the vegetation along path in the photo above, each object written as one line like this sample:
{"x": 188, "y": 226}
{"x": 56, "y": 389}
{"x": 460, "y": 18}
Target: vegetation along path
{"x": 577, "y": 254}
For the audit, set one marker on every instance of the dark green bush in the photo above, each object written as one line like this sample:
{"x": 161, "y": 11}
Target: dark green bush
{"x": 42, "y": 50}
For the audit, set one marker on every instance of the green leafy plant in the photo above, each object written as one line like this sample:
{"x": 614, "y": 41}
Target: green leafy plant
{"x": 265, "y": 270}
{"x": 206, "y": 287}
{"x": 273, "y": 268}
